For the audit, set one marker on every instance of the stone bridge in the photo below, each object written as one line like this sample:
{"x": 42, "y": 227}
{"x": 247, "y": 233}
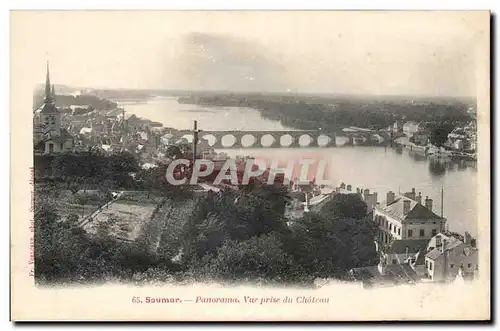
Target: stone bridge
{"x": 278, "y": 139}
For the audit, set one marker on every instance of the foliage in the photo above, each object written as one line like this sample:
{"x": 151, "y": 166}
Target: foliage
{"x": 228, "y": 236}
{"x": 345, "y": 206}
{"x": 326, "y": 247}
{"x": 260, "y": 258}
{"x": 439, "y": 133}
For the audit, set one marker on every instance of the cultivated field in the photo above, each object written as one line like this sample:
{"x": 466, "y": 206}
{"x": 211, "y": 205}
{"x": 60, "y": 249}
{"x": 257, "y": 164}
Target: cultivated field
{"x": 124, "y": 220}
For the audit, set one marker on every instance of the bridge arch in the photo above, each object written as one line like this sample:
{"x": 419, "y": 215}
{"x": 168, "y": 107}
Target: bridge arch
{"x": 286, "y": 140}
{"x": 228, "y": 140}
{"x": 305, "y": 140}
{"x": 212, "y": 140}
{"x": 248, "y": 140}
{"x": 323, "y": 140}
{"x": 267, "y": 140}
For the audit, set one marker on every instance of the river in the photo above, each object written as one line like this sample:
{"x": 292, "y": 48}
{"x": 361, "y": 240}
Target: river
{"x": 376, "y": 168}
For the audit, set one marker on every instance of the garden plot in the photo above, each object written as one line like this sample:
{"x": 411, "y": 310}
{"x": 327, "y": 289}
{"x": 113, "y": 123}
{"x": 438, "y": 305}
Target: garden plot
{"x": 122, "y": 220}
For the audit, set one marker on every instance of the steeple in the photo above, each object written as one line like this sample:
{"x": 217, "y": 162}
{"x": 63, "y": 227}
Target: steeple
{"x": 53, "y": 93}
{"x": 48, "y": 92}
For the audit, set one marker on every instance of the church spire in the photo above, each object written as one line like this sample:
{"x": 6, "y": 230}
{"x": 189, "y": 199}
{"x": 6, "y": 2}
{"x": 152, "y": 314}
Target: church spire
{"x": 48, "y": 92}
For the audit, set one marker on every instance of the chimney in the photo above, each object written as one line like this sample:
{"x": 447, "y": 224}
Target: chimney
{"x": 428, "y": 203}
{"x": 438, "y": 240}
{"x": 349, "y": 187}
{"x": 410, "y": 195}
{"x": 406, "y": 207}
{"x": 366, "y": 193}
{"x": 467, "y": 238}
{"x": 358, "y": 191}
{"x": 443, "y": 247}
{"x": 390, "y": 197}
{"x": 419, "y": 198}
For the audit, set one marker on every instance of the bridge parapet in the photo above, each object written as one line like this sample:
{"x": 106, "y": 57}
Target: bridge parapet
{"x": 274, "y": 139}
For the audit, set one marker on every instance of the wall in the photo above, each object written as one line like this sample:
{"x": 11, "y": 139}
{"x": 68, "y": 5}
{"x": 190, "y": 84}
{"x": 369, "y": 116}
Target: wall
{"x": 457, "y": 258}
{"x": 426, "y": 225}
{"x": 380, "y": 219}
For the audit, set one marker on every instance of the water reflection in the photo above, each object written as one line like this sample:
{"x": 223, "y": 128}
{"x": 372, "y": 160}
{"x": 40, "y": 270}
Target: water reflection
{"x": 417, "y": 156}
{"x": 437, "y": 168}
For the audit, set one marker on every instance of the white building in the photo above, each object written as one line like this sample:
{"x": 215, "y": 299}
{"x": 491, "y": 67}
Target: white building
{"x": 404, "y": 217}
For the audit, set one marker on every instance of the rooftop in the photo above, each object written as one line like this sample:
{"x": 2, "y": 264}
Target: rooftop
{"x": 417, "y": 210}
{"x": 48, "y": 108}
{"x": 451, "y": 243}
{"x": 413, "y": 246}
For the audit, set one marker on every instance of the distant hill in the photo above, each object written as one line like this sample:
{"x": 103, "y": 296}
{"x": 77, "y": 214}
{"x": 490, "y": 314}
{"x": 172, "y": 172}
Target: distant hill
{"x": 64, "y": 101}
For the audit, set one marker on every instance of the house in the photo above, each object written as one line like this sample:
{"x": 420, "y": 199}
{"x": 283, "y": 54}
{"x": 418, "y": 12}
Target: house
{"x": 403, "y": 217}
{"x": 410, "y": 128}
{"x": 59, "y": 143}
{"x": 397, "y": 127}
{"x": 448, "y": 256}
{"x": 384, "y": 275}
{"x": 400, "y": 251}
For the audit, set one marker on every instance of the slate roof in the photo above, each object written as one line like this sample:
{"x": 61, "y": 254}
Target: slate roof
{"x": 399, "y": 246}
{"x": 450, "y": 244}
{"x": 40, "y": 128}
{"x": 49, "y": 108}
{"x": 417, "y": 210}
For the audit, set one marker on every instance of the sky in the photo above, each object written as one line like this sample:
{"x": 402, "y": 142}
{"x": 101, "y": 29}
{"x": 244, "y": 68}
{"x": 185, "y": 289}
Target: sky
{"x": 368, "y": 53}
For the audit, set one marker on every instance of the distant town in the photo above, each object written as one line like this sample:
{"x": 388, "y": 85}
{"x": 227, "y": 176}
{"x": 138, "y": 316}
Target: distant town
{"x": 98, "y": 172}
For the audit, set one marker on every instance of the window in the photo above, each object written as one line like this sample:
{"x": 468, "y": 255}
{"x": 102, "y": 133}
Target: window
{"x": 451, "y": 266}
{"x": 426, "y": 264}
{"x": 399, "y": 231}
{"x": 410, "y": 233}
{"x": 422, "y": 232}
{"x": 61, "y": 146}
{"x": 430, "y": 265}
{"x": 468, "y": 266}
{"x": 394, "y": 261}
{"x": 434, "y": 232}
{"x": 390, "y": 227}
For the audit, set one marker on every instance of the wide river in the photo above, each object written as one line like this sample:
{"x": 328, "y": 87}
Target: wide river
{"x": 377, "y": 168}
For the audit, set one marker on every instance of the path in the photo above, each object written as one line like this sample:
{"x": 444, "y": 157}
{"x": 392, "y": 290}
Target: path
{"x": 93, "y": 215}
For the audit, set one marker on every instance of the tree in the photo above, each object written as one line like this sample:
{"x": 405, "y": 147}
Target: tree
{"x": 260, "y": 259}
{"x": 345, "y": 206}
{"x": 329, "y": 247}
{"x": 439, "y": 134}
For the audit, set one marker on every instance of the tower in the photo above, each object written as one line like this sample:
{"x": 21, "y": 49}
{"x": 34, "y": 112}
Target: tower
{"x": 50, "y": 116}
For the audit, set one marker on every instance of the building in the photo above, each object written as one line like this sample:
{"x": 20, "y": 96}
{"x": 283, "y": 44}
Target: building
{"x": 404, "y": 217}
{"x": 384, "y": 274}
{"x": 47, "y": 125}
{"x": 397, "y": 127}
{"x": 448, "y": 256}
{"x": 401, "y": 251}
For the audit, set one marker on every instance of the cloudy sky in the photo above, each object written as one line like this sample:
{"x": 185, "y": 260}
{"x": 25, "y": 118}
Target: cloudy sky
{"x": 380, "y": 53}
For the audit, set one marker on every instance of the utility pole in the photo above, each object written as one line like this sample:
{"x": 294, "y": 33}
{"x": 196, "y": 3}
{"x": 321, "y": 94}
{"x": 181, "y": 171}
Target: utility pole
{"x": 442, "y": 200}
{"x": 195, "y": 140}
